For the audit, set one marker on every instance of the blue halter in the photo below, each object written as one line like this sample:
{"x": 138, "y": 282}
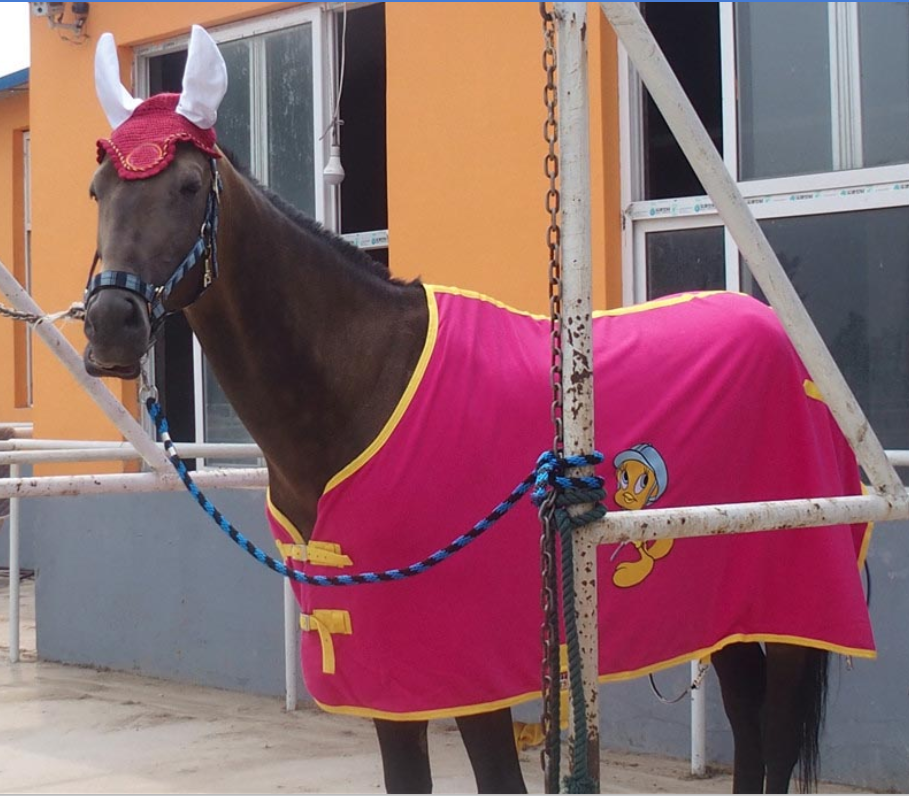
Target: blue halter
{"x": 204, "y": 251}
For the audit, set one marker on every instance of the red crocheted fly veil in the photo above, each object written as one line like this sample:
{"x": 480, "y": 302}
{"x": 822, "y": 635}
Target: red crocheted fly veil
{"x": 145, "y": 144}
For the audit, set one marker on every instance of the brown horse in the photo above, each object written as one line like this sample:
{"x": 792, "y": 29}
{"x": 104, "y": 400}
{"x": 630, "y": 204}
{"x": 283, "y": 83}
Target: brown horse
{"x": 269, "y": 293}
{"x": 358, "y": 332}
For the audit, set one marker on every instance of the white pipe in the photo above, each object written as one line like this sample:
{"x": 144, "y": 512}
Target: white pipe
{"x": 72, "y": 361}
{"x": 190, "y": 449}
{"x": 685, "y": 124}
{"x": 698, "y": 720}
{"x": 577, "y": 373}
{"x": 126, "y": 483}
{"x": 291, "y": 651}
{"x": 124, "y": 454}
{"x": 14, "y": 573}
{"x": 649, "y": 524}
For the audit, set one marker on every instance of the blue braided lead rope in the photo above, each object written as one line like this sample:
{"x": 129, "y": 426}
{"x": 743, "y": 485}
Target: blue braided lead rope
{"x": 547, "y": 472}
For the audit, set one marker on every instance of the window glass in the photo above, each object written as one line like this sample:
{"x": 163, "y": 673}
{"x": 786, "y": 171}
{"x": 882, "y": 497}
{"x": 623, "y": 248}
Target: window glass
{"x": 785, "y": 122}
{"x": 884, "y": 59}
{"x": 688, "y": 259}
{"x": 235, "y": 112}
{"x": 288, "y": 82}
{"x": 850, "y": 270}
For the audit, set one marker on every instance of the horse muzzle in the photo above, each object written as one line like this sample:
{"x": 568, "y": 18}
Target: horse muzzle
{"x": 119, "y": 333}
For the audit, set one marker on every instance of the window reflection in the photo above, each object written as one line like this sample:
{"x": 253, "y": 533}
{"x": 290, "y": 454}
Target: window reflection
{"x": 850, "y": 271}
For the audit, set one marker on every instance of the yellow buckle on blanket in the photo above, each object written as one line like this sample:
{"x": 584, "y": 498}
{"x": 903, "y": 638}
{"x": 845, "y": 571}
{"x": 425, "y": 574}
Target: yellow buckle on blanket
{"x": 323, "y": 554}
{"x": 327, "y": 623}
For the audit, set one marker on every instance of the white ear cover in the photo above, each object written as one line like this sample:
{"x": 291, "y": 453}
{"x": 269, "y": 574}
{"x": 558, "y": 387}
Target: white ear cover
{"x": 204, "y": 81}
{"x": 117, "y": 102}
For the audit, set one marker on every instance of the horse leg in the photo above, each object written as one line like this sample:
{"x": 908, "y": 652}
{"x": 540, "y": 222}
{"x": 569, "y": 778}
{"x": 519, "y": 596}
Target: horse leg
{"x": 793, "y": 714}
{"x": 489, "y": 740}
{"x": 741, "y": 672}
{"x": 405, "y": 756}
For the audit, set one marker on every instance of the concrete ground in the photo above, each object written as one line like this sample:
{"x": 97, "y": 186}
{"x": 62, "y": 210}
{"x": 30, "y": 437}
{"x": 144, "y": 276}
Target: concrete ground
{"x": 66, "y": 729}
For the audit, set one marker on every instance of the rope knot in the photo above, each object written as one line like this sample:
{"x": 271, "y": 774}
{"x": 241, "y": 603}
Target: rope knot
{"x": 569, "y": 491}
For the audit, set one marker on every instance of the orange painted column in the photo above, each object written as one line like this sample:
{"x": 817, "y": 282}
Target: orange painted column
{"x": 13, "y": 122}
{"x": 465, "y": 150}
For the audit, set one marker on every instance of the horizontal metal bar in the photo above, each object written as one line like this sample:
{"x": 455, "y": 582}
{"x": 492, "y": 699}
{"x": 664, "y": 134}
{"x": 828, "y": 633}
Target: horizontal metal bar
{"x": 678, "y": 523}
{"x": 127, "y": 483}
{"x": 121, "y": 454}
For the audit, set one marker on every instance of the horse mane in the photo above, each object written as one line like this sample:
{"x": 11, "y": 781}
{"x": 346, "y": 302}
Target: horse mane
{"x": 348, "y": 251}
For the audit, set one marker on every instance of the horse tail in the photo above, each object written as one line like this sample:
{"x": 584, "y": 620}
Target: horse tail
{"x": 815, "y": 704}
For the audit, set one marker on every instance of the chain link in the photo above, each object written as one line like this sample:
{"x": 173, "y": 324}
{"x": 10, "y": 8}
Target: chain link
{"x": 76, "y": 311}
{"x": 549, "y": 632}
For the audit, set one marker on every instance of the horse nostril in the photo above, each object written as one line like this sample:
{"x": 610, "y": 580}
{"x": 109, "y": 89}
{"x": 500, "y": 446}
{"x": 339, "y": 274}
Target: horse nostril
{"x": 133, "y": 317}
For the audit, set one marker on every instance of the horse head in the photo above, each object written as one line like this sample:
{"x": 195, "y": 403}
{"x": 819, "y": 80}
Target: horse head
{"x": 157, "y": 190}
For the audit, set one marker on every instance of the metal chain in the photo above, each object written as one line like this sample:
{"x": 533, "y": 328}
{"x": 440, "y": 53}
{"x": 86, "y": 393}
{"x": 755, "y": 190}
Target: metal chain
{"x": 75, "y": 311}
{"x": 698, "y": 681}
{"x": 551, "y": 754}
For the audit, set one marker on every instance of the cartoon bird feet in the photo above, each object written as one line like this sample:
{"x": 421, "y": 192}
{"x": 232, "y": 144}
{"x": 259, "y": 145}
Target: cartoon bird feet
{"x": 631, "y": 573}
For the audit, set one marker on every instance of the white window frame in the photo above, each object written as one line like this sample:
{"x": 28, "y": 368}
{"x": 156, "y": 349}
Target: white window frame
{"x": 801, "y": 195}
{"x": 844, "y": 191}
{"x": 327, "y": 206}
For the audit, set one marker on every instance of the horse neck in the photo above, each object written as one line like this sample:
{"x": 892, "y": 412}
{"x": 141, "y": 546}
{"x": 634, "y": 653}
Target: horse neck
{"x": 312, "y": 349}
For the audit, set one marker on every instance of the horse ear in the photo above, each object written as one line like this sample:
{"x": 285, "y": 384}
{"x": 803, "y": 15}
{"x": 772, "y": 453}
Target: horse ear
{"x": 204, "y": 81}
{"x": 117, "y": 102}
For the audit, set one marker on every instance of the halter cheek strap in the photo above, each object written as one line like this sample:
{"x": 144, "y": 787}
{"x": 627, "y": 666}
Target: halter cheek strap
{"x": 204, "y": 251}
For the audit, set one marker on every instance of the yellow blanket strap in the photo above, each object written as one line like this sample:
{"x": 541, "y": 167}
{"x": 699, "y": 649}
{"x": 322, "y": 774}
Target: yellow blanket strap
{"x": 327, "y": 623}
{"x": 323, "y": 554}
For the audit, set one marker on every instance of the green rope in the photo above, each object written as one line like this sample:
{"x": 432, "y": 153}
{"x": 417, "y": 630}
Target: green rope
{"x": 578, "y": 780}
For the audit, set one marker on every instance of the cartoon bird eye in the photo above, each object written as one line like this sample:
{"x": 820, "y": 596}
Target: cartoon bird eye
{"x": 623, "y": 479}
{"x": 641, "y": 484}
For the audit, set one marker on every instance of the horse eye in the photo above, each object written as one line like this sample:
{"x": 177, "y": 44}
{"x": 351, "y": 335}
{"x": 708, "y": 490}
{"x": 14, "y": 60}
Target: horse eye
{"x": 191, "y": 187}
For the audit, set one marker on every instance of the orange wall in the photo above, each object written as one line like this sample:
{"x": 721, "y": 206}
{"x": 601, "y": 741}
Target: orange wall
{"x": 13, "y": 120}
{"x": 465, "y": 152}
{"x": 465, "y": 149}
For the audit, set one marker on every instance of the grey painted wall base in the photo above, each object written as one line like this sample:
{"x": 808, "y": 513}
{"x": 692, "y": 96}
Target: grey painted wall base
{"x": 147, "y": 583}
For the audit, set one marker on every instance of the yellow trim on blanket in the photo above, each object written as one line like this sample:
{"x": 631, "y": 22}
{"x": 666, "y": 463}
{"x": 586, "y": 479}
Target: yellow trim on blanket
{"x": 655, "y": 304}
{"x": 670, "y": 301}
{"x": 488, "y": 707}
{"x": 282, "y": 520}
{"x": 416, "y": 378}
{"x": 812, "y": 391}
{"x": 473, "y": 294}
{"x": 327, "y": 623}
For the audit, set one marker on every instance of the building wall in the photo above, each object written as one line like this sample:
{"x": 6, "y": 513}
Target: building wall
{"x": 465, "y": 151}
{"x": 13, "y": 121}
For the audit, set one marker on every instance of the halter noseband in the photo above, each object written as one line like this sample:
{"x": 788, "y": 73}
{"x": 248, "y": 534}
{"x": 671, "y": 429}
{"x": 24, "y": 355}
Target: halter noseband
{"x": 203, "y": 251}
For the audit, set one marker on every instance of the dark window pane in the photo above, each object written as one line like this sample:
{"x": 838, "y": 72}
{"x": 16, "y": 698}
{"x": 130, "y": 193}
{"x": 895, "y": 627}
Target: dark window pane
{"x": 783, "y": 72}
{"x": 364, "y": 205}
{"x": 165, "y": 73}
{"x": 884, "y": 46}
{"x": 688, "y": 259}
{"x": 851, "y": 271}
{"x": 290, "y": 116}
{"x": 689, "y": 35}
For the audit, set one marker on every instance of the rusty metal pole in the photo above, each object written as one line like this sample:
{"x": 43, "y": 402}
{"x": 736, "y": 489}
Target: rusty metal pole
{"x": 577, "y": 379}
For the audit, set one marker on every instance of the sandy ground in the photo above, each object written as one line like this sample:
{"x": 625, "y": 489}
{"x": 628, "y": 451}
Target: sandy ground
{"x": 66, "y": 729}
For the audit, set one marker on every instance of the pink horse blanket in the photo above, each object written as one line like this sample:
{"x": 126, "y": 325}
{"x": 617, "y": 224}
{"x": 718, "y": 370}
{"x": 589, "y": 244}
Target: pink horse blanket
{"x": 700, "y": 399}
